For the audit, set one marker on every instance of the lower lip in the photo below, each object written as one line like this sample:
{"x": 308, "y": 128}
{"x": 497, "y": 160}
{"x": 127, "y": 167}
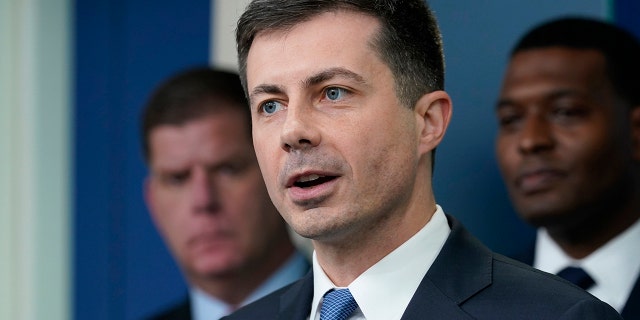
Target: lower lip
{"x": 539, "y": 182}
{"x": 206, "y": 241}
{"x": 311, "y": 195}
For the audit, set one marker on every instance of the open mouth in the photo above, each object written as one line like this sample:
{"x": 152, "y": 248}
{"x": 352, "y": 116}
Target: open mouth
{"x": 312, "y": 181}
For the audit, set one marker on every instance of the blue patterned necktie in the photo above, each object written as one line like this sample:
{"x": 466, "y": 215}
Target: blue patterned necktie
{"x": 337, "y": 305}
{"x": 577, "y": 276}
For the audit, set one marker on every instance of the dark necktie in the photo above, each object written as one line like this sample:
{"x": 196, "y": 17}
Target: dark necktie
{"x": 577, "y": 276}
{"x": 337, "y": 305}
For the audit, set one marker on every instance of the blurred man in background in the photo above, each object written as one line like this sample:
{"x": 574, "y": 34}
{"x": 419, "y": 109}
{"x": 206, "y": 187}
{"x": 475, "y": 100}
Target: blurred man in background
{"x": 208, "y": 199}
{"x": 569, "y": 150}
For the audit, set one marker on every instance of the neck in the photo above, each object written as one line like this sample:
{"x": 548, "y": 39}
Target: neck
{"x": 343, "y": 261}
{"x": 234, "y": 288}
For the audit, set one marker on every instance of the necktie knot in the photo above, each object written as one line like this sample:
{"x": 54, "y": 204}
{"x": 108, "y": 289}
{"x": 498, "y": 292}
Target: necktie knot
{"x": 337, "y": 305}
{"x": 577, "y": 276}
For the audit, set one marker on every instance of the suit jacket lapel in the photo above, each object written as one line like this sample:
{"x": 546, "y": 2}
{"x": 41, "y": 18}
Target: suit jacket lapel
{"x": 632, "y": 306}
{"x": 295, "y": 303}
{"x": 462, "y": 269}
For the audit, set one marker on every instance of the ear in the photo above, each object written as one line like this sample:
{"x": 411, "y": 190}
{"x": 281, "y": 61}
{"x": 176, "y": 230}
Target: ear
{"x": 635, "y": 132}
{"x": 433, "y": 113}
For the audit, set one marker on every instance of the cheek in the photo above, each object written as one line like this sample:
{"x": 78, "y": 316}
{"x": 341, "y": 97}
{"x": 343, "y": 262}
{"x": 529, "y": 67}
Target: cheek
{"x": 596, "y": 162}
{"x": 169, "y": 208}
{"x": 384, "y": 155}
{"x": 170, "y": 224}
{"x": 590, "y": 150}
{"x": 268, "y": 165}
{"x": 256, "y": 218}
{"x": 506, "y": 153}
{"x": 163, "y": 205}
{"x": 250, "y": 200}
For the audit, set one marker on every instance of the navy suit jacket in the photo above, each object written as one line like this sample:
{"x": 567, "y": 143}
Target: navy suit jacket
{"x": 181, "y": 311}
{"x": 631, "y": 310}
{"x": 466, "y": 281}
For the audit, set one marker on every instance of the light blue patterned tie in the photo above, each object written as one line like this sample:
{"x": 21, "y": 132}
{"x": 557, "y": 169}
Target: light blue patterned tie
{"x": 337, "y": 305}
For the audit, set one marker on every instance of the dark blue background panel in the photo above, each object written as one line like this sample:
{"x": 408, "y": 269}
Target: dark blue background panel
{"x": 123, "y": 49}
{"x": 626, "y": 13}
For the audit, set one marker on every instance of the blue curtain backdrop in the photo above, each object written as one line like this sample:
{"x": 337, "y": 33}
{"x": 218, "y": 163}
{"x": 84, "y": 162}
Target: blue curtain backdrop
{"x": 124, "y": 48}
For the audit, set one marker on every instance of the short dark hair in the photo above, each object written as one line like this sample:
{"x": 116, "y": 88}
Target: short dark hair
{"x": 409, "y": 41}
{"x": 189, "y": 95}
{"x": 619, "y": 47}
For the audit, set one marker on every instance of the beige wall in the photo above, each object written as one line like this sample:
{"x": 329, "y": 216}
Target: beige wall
{"x": 34, "y": 159}
{"x": 225, "y": 15}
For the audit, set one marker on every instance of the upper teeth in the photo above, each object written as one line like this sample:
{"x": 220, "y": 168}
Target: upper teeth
{"x": 309, "y": 178}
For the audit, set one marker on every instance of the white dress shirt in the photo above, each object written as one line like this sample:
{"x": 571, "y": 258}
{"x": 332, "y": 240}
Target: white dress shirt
{"x": 206, "y": 307}
{"x": 614, "y": 267}
{"x": 384, "y": 290}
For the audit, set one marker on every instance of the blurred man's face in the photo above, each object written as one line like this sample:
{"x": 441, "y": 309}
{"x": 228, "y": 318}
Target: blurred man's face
{"x": 207, "y": 196}
{"x": 564, "y": 143}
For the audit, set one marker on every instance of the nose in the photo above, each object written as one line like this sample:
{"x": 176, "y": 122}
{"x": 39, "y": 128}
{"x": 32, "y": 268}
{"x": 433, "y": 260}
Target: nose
{"x": 205, "y": 194}
{"x": 299, "y": 130}
{"x": 536, "y": 135}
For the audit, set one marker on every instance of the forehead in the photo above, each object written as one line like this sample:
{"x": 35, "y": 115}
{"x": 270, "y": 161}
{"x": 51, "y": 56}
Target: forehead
{"x": 216, "y": 133}
{"x": 332, "y": 39}
{"x": 557, "y": 64}
{"x": 548, "y": 73}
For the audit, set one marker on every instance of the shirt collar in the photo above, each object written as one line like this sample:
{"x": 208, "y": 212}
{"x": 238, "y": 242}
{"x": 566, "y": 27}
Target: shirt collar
{"x": 614, "y": 267}
{"x": 395, "y": 278}
{"x": 204, "y": 306}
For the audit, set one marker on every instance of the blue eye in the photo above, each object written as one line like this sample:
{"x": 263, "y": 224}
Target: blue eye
{"x": 271, "y": 107}
{"x": 334, "y": 93}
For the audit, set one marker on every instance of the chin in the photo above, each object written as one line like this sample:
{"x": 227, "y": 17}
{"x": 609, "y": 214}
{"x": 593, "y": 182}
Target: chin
{"x": 303, "y": 231}
{"x": 542, "y": 215}
{"x": 216, "y": 266}
{"x": 303, "y": 223}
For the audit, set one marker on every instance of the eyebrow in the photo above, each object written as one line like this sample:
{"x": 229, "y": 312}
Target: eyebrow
{"x": 265, "y": 89}
{"x": 330, "y": 74}
{"x": 503, "y": 103}
{"x": 313, "y": 80}
{"x": 553, "y": 95}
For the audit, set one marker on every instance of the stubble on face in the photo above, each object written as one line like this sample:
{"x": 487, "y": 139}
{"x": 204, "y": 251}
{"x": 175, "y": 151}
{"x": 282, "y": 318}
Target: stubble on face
{"x": 368, "y": 144}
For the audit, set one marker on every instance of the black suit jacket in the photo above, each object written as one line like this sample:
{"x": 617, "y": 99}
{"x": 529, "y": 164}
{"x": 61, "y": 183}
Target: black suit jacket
{"x": 181, "y": 311}
{"x": 631, "y": 310}
{"x": 466, "y": 281}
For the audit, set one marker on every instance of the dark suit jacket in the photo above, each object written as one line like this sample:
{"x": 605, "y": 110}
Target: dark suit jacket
{"x": 631, "y": 310}
{"x": 466, "y": 281}
{"x": 181, "y": 311}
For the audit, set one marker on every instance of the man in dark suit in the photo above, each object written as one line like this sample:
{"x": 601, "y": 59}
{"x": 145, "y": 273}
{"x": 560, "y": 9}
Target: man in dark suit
{"x": 347, "y": 108}
{"x": 208, "y": 199}
{"x": 568, "y": 146}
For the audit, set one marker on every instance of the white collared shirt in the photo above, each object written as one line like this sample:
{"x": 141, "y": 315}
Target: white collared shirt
{"x": 206, "y": 307}
{"x": 384, "y": 290}
{"x": 614, "y": 267}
